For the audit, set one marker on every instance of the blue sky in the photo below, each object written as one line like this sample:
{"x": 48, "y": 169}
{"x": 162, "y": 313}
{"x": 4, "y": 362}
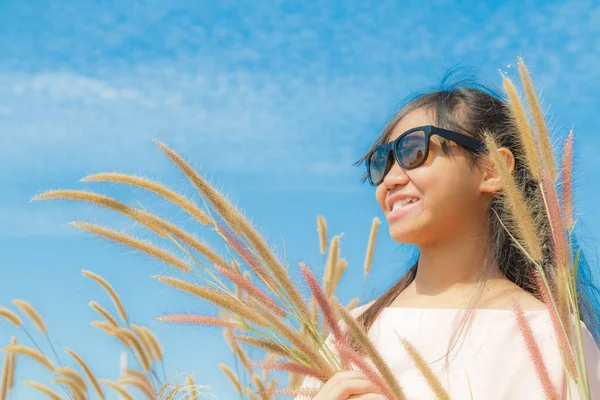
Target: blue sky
{"x": 273, "y": 101}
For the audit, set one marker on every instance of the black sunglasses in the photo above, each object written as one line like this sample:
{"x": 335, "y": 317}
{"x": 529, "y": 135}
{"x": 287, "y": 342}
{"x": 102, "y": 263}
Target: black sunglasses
{"x": 411, "y": 149}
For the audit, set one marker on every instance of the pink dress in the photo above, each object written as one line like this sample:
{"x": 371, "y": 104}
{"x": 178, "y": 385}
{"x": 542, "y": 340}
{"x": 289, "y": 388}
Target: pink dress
{"x": 489, "y": 362}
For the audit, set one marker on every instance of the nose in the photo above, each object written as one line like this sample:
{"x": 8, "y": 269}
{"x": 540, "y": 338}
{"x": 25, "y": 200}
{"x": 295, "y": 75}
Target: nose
{"x": 395, "y": 176}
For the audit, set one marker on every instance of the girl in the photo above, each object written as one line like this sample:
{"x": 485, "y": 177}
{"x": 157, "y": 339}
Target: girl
{"x": 454, "y": 305}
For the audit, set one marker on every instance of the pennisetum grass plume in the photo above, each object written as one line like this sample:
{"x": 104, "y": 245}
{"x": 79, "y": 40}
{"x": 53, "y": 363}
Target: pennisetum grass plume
{"x": 322, "y": 230}
{"x": 152, "y": 339}
{"x": 558, "y": 323}
{"x": 4, "y": 378}
{"x": 371, "y": 246}
{"x": 523, "y": 222}
{"x": 11, "y": 365}
{"x": 88, "y": 372}
{"x": 109, "y": 289}
{"x": 118, "y": 388}
{"x": 432, "y": 380}
{"x": 31, "y": 353}
{"x": 538, "y": 120}
{"x": 11, "y": 316}
{"x": 73, "y": 375}
{"x": 44, "y": 389}
{"x": 240, "y": 225}
{"x": 332, "y": 259}
{"x": 367, "y": 369}
{"x": 232, "y": 377}
{"x": 535, "y": 353}
{"x": 236, "y": 348}
{"x": 139, "y": 332}
{"x": 517, "y": 111}
{"x": 161, "y": 190}
{"x": 367, "y": 346}
{"x": 292, "y": 367}
{"x": 137, "y": 244}
{"x": 153, "y": 222}
{"x": 352, "y": 304}
{"x": 220, "y": 299}
{"x": 36, "y": 318}
{"x": 567, "y": 180}
{"x": 102, "y": 311}
{"x": 192, "y": 319}
{"x": 252, "y": 290}
{"x": 140, "y": 385}
{"x": 137, "y": 345}
{"x": 189, "y": 380}
{"x": 263, "y": 344}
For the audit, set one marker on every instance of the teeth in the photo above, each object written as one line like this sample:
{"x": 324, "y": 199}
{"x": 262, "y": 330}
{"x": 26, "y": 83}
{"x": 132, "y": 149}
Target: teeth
{"x": 402, "y": 202}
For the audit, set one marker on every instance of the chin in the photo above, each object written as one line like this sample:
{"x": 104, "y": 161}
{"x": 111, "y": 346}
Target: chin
{"x": 403, "y": 235}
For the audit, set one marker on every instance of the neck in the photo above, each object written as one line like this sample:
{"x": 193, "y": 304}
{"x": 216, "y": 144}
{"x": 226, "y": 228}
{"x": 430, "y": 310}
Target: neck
{"x": 454, "y": 265}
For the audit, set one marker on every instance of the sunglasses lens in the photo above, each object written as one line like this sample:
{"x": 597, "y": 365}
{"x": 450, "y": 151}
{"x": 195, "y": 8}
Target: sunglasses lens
{"x": 378, "y": 162}
{"x": 411, "y": 149}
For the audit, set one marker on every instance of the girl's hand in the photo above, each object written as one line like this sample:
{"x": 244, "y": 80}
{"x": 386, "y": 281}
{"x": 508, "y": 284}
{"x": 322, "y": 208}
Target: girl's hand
{"x": 349, "y": 385}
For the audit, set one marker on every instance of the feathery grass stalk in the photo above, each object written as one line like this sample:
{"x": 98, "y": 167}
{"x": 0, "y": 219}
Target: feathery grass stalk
{"x": 137, "y": 244}
{"x": 104, "y": 325}
{"x": 339, "y": 270}
{"x": 88, "y": 372}
{"x": 44, "y": 389}
{"x": 371, "y": 246}
{"x": 251, "y": 289}
{"x": 535, "y": 353}
{"x": 517, "y": 111}
{"x": 31, "y": 353}
{"x": 328, "y": 312}
{"x": 567, "y": 180}
{"x": 264, "y": 345}
{"x": 189, "y": 380}
{"x": 11, "y": 365}
{"x": 222, "y": 300}
{"x": 232, "y": 377}
{"x": 137, "y": 345}
{"x": 161, "y": 190}
{"x": 240, "y": 225}
{"x": 352, "y": 304}
{"x": 102, "y": 311}
{"x": 11, "y": 316}
{"x": 200, "y": 320}
{"x": 322, "y": 230}
{"x": 73, "y": 387}
{"x": 118, "y": 388}
{"x": 109, "y": 290}
{"x": 32, "y": 313}
{"x": 558, "y": 324}
{"x": 4, "y": 379}
{"x": 523, "y": 222}
{"x": 291, "y": 367}
{"x": 73, "y": 375}
{"x": 246, "y": 256}
{"x": 157, "y": 350}
{"x": 143, "y": 385}
{"x": 236, "y": 348}
{"x": 367, "y": 369}
{"x": 139, "y": 332}
{"x": 366, "y": 345}
{"x": 538, "y": 120}
{"x": 36, "y": 318}
{"x": 332, "y": 259}
{"x": 260, "y": 388}
{"x": 153, "y": 222}
{"x": 430, "y": 377}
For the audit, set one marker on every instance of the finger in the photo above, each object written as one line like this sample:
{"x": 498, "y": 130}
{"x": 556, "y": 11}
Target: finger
{"x": 367, "y": 396}
{"x": 343, "y": 389}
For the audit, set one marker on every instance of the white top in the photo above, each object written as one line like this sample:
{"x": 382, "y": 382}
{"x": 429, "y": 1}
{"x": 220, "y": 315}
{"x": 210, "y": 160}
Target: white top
{"x": 491, "y": 357}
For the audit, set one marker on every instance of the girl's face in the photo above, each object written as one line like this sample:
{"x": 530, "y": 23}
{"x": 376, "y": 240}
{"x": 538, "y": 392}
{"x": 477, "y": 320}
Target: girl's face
{"x": 450, "y": 201}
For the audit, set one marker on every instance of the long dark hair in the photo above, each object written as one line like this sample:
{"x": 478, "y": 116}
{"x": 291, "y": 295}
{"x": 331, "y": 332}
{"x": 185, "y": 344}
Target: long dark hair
{"x": 468, "y": 107}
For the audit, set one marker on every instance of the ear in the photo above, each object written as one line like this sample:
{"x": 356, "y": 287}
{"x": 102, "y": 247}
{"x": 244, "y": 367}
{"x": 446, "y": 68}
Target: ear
{"x": 490, "y": 180}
